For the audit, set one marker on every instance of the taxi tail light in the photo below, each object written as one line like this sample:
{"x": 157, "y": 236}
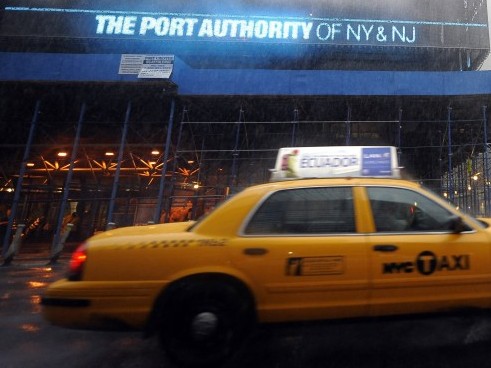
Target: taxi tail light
{"x": 77, "y": 262}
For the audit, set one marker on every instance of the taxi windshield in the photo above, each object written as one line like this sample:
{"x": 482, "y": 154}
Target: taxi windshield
{"x": 467, "y": 213}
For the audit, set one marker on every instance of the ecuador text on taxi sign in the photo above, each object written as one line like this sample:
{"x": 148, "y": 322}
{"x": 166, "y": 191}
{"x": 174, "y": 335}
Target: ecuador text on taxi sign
{"x": 344, "y": 161}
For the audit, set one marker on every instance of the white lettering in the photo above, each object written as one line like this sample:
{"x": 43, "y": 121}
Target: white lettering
{"x": 220, "y": 29}
{"x": 110, "y": 24}
{"x": 367, "y": 31}
{"x": 146, "y": 24}
{"x": 275, "y": 30}
{"x": 327, "y": 31}
{"x": 206, "y": 29}
{"x": 253, "y": 28}
{"x": 291, "y": 29}
{"x": 411, "y": 40}
{"x": 402, "y": 34}
{"x": 162, "y": 26}
{"x": 261, "y": 29}
{"x": 356, "y": 34}
{"x": 101, "y": 23}
{"x": 190, "y": 25}
{"x": 323, "y": 31}
{"x": 306, "y": 29}
{"x": 165, "y": 26}
{"x": 234, "y": 26}
{"x": 246, "y": 29}
{"x": 129, "y": 25}
{"x": 335, "y": 29}
{"x": 177, "y": 27}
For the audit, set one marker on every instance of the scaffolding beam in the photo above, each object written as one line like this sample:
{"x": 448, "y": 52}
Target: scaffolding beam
{"x": 22, "y": 171}
{"x": 57, "y": 245}
{"x": 114, "y": 192}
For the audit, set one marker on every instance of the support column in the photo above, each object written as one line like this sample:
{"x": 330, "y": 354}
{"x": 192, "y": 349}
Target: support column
{"x": 158, "y": 209}
{"x": 450, "y": 173}
{"x": 399, "y": 138}
{"x": 22, "y": 171}
{"x": 168, "y": 205}
{"x": 462, "y": 186}
{"x": 110, "y": 212}
{"x": 348, "y": 127}
{"x": 57, "y": 245}
{"x": 198, "y": 178}
{"x": 294, "y": 127}
{"x": 485, "y": 171}
{"x": 235, "y": 153}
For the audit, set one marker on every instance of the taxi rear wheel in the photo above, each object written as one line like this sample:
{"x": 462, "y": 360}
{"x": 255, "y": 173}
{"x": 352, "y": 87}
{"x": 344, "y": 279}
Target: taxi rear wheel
{"x": 203, "y": 323}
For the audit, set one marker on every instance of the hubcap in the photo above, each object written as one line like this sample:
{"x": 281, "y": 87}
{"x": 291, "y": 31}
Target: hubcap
{"x": 204, "y": 325}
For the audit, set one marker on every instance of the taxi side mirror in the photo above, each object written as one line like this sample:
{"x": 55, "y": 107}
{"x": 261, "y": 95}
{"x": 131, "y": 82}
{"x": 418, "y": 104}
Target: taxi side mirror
{"x": 457, "y": 225}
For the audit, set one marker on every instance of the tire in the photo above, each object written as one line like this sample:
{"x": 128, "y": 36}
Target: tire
{"x": 204, "y": 322}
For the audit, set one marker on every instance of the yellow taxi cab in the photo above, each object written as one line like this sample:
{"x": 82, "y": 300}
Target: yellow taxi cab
{"x": 288, "y": 250}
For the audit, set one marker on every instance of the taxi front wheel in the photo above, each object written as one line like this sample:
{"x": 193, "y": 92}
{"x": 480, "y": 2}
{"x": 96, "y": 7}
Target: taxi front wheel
{"x": 204, "y": 323}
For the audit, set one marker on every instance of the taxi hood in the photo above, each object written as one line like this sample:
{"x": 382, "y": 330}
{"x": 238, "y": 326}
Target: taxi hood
{"x": 485, "y": 220}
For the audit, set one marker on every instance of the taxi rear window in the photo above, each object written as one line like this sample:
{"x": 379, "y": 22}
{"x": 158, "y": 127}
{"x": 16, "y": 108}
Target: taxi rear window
{"x": 305, "y": 211}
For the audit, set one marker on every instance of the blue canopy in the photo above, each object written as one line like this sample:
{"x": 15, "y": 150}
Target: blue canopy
{"x": 57, "y": 67}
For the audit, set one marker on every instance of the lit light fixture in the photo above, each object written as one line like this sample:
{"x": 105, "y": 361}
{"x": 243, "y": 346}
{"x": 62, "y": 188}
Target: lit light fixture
{"x": 62, "y": 154}
{"x": 155, "y": 152}
{"x": 30, "y": 164}
{"x": 475, "y": 177}
{"x": 152, "y": 162}
{"x": 196, "y": 186}
{"x": 109, "y": 153}
{"x": 445, "y": 195}
{"x": 190, "y": 162}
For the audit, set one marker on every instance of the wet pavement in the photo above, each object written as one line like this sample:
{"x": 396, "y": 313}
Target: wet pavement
{"x": 26, "y": 340}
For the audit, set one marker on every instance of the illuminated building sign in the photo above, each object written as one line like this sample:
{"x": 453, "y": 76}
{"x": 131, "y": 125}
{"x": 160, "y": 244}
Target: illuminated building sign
{"x": 218, "y": 27}
{"x": 260, "y": 29}
{"x": 93, "y": 23}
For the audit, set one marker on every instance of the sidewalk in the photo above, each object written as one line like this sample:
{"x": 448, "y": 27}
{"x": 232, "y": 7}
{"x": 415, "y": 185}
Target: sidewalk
{"x": 38, "y": 254}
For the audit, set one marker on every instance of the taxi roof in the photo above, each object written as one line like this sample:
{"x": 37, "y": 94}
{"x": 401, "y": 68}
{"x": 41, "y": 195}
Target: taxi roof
{"x": 338, "y": 181}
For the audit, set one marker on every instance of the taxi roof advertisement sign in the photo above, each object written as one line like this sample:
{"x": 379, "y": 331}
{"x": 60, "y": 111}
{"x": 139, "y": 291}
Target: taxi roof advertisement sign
{"x": 343, "y": 161}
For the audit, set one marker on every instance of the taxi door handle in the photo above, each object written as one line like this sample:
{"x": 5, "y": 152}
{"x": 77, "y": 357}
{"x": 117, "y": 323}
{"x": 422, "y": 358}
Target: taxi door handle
{"x": 385, "y": 248}
{"x": 255, "y": 251}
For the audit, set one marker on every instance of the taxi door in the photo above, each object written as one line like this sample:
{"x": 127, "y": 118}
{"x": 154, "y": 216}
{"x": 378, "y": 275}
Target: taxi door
{"x": 419, "y": 265}
{"x": 303, "y": 257}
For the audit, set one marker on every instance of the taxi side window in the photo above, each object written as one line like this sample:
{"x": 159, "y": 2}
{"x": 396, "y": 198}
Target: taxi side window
{"x": 305, "y": 211}
{"x": 396, "y": 210}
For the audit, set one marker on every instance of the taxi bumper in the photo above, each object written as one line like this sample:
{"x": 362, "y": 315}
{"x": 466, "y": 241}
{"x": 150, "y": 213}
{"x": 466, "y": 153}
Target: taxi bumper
{"x": 100, "y": 305}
